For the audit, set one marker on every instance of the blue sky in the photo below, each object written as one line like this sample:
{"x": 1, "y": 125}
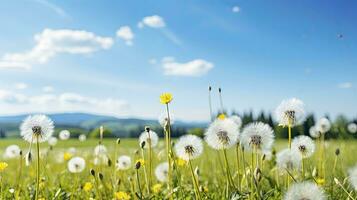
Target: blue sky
{"x": 116, "y": 57}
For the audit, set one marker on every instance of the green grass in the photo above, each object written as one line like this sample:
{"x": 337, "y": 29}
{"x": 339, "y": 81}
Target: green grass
{"x": 58, "y": 183}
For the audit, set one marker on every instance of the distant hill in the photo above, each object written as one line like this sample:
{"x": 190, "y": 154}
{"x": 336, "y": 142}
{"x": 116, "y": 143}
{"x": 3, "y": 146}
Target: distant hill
{"x": 123, "y": 127}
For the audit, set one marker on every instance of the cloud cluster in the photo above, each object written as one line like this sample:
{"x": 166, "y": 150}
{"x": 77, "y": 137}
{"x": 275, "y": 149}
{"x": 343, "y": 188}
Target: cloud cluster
{"x": 196, "y": 67}
{"x": 126, "y": 34}
{"x": 64, "y": 102}
{"x": 50, "y": 42}
{"x": 154, "y": 21}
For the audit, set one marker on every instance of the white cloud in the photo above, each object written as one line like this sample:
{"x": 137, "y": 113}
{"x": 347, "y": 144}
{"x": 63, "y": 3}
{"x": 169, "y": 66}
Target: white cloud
{"x": 58, "y": 10}
{"x": 126, "y": 34}
{"x": 48, "y": 88}
{"x": 345, "y": 85}
{"x": 235, "y": 9}
{"x": 154, "y": 21}
{"x": 14, "y": 65}
{"x": 50, "y": 42}
{"x": 197, "y": 67}
{"x": 16, "y": 103}
{"x": 21, "y": 86}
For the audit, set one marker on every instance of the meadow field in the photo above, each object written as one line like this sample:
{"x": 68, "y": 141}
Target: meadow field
{"x": 56, "y": 182}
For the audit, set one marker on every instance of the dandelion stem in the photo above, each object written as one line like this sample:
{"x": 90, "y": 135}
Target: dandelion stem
{"x": 238, "y": 165}
{"x": 138, "y": 181}
{"x": 345, "y": 190}
{"x": 168, "y": 147}
{"x": 210, "y": 103}
{"x": 302, "y": 168}
{"x": 194, "y": 180}
{"x": 289, "y": 131}
{"x": 150, "y": 163}
{"x": 145, "y": 173}
{"x": 37, "y": 168}
{"x": 221, "y": 100}
{"x": 228, "y": 171}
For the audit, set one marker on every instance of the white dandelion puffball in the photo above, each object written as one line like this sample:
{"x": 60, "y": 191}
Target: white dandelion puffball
{"x": 314, "y": 132}
{"x": 12, "y": 151}
{"x": 237, "y": 120}
{"x": 163, "y": 120}
{"x": 101, "y": 160}
{"x": 323, "y": 125}
{"x": 352, "y": 177}
{"x": 37, "y": 127}
{"x": 76, "y": 165}
{"x": 162, "y": 172}
{"x": 72, "y": 150}
{"x": 52, "y": 141}
{"x": 258, "y": 136}
{"x": 189, "y": 147}
{"x": 288, "y": 160}
{"x": 145, "y": 137}
{"x": 352, "y": 127}
{"x": 290, "y": 112}
{"x": 100, "y": 150}
{"x": 304, "y": 190}
{"x": 64, "y": 135}
{"x": 304, "y": 145}
{"x": 82, "y": 137}
{"x": 123, "y": 163}
{"x": 222, "y": 134}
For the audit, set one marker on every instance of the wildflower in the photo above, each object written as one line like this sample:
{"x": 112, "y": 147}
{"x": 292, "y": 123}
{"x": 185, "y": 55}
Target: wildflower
{"x": 156, "y": 188}
{"x": 82, "y": 137}
{"x": 154, "y": 139}
{"x": 76, "y": 165}
{"x": 100, "y": 150}
{"x": 3, "y": 166}
{"x": 352, "y": 127}
{"x": 237, "y": 120}
{"x": 52, "y": 141}
{"x": 100, "y": 159}
{"x": 64, "y": 135}
{"x": 12, "y": 190}
{"x": 221, "y": 116}
{"x": 304, "y": 145}
{"x": 37, "y": 128}
{"x": 180, "y": 162}
{"x": 288, "y": 160}
{"x": 222, "y": 133}
{"x": 123, "y": 163}
{"x": 122, "y": 196}
{"x": 87, "y": 186}
{"x": 257, "y": 136}
{"x": 323, "y": 125}
{"x": 141, "y": 161}
{"x": 12, "y": 151}
{"x": 290, "y": 112}
{"x": 163, "y": 120}
{"x": 165, "y": 98}
{"x": 67, "y": 156}
{"x": 304, "y": 190}
{"x": 314, "y": 132}
{"x": 189, "y": 147}
{"x": 320, "y": 181}
{"x": 352, "y": 176}
{"x": 162, "y": 171}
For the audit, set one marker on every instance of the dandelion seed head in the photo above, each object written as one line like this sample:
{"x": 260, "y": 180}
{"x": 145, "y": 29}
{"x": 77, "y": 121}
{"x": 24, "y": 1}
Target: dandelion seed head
{"x": 162, "y": 171}
{"x": 12, "y": 151}
{"x": 237, "y": 120}
{"x": 100, "y": 150}
{"x": 323, "y": 125}
{"x": 36, "y": 126}
{"x": 163, "y": 119}
{"x": 352, "y": 127}
{"x": 258, "y": 136}
{"x": 288, "y": 160}
{"x": 189, "y": 147}
{"x": 82, "y": 137}
{"x": 352, "y": 177}
{"x": 304, "y": 191}
{"x": 76, "y": 165}
{"x": 314, "y": 132}
{"x": 222, "y": 134}
{"x": 123, "y": 163}
{"x": 304, "y": 144}
{"x": 64, "y": 135}
{"x": 52, "y": 141}
{"x": 100, "y": 160}
{"x": 290, "y": 112}
{"x": 149, "y": 135}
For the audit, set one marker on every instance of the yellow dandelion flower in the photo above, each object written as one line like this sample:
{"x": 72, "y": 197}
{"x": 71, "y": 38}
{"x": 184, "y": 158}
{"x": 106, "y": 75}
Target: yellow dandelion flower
{"x": 42, "y": 184}
{"x": 122, "y": 196}
{"x": 3, "y": 166}
{"x": 320, "y": 181}
{"x": 87, "y": 186}
{"x": 156, "y": 188}
{"x": 180, "y": 162}
{"x": 142, "y": 162}
{"x": 221, "y": 116}
{"x": 165, "y": 98}
{"x": 67, "y": 156}
{"x": 205, "y": 189}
